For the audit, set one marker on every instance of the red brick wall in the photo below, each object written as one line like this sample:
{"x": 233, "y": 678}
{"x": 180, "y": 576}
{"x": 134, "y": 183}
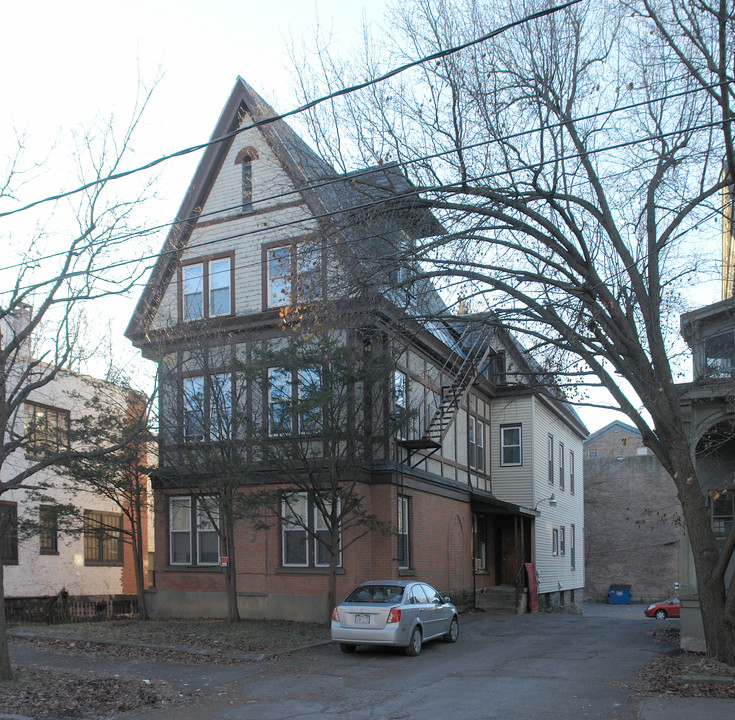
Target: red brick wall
{"x": 441, "y": 550}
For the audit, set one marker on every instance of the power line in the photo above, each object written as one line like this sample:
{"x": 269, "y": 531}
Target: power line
{"x": 340, "y": 179}
{"x": 302, "y": 108}
{"x": 450, "y": 187}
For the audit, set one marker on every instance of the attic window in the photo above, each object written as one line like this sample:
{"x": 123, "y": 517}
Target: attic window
{"x": 245, "y": 158}
{"x": 294, "y": 273}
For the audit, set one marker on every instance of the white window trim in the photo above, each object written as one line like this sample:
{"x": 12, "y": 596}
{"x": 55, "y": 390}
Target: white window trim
{"x": 504, "y": 445}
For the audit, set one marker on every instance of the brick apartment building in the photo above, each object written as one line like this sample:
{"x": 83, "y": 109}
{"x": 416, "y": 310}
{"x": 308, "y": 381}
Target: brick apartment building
{"x": 488, "y": 477}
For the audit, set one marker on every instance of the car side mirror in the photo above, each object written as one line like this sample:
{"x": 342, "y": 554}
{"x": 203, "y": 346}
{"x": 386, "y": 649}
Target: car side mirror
{"x": 447, "y": 599}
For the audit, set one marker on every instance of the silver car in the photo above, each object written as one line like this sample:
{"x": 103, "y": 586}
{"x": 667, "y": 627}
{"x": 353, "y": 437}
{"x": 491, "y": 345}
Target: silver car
{"x": 403, "y": 613}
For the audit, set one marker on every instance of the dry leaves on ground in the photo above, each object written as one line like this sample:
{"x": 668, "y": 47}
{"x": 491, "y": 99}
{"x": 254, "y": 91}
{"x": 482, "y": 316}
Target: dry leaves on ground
{"x": 52, "y": 694}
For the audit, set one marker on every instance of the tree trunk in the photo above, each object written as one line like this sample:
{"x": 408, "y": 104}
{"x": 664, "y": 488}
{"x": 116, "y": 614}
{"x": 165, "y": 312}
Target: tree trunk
{"x": 719, "y": 628}
{"x": 233, "y": 612}
{"x": 6, "y": 672}
{"x": 137, "y": 546}
{"x": 332, "y": 586}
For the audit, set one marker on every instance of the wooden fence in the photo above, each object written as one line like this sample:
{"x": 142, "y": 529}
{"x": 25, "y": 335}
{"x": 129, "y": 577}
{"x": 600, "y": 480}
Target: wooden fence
{"x": 62, "y": 609}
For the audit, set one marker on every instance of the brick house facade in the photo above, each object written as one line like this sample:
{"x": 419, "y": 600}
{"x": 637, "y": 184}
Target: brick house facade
{"x": 264, "y": 223}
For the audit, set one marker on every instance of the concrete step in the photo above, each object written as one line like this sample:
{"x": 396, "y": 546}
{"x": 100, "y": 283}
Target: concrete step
{"x": 498, "y": 600}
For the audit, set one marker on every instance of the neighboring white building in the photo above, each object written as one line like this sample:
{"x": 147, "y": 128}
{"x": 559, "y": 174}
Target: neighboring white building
{"x": 42, "y": 564}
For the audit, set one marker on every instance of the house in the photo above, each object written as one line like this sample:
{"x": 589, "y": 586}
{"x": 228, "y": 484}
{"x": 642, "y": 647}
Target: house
{"x": 41, "y": 563}
{"x": 709, "y": 412}
{"x": 485, "y": 481}
{"x": 632, "y": 517}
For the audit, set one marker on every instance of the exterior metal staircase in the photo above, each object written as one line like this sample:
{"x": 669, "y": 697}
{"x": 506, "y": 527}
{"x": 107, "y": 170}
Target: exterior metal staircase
{"x": 474, "y": 343}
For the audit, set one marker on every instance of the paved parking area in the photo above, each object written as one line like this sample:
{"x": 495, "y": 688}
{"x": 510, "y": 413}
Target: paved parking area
{"x": 506, "y": 667}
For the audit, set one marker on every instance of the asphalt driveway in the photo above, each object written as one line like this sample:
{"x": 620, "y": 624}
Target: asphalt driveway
{"x": 515, "y": 666}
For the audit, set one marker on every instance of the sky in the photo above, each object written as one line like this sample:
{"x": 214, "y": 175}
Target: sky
{"x": 70, "y": 66}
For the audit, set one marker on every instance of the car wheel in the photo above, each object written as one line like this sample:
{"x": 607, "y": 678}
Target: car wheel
{"x": 414, "y": 646}
{"x": 660, "y": 615}
{"x": 453, "y": 633}
{"x": 347, "y": 647}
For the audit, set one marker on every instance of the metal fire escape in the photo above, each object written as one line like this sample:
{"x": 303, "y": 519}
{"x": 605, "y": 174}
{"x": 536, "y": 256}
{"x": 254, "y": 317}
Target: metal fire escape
{"x": 474, "y": 343}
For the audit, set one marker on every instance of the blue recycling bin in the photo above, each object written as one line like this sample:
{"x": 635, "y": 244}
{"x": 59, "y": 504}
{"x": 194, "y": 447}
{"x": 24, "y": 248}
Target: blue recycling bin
{"x": 619, "y": 594}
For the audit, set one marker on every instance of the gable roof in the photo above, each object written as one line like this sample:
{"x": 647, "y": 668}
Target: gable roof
{"x": 339, "y": 199}
{"x": 615, "y": 425}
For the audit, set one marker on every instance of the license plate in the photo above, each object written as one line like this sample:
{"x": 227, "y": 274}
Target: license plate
{"x": 362, "y": 619}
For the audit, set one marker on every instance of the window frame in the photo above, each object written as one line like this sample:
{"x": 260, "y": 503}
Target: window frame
{"x": 48, "y": 530}
{"x": 561, "y": 466}
{"x": 35, "y": 447}
{"x": 8, "y": 533}
{"x": 505, "y": 446}
{"x": 551, "y": 460}
{"x": 193, "y": 531}
{"x": 571, "y": 472}
{"x": 554, "y": 542}
{"x": 96, "y": 551}
{"x": 572, "y": 547}
{"x": 562, "y": 540}
{"x": 400, "y": 380}
{"x": 721, "y": 522}
{"x": 476, "y": 444}
{"x": 306, "y": 515}
{"x": 205, "y": 411}
{"x": 403, "y": 530}
{"x": 207, "y": 264}
{"x": 294, "y": 272}
{"x": 479, "y": 542}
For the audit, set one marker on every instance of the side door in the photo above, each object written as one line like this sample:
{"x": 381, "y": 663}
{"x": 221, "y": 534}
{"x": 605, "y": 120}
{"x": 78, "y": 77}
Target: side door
{"x": 441, "y": 613}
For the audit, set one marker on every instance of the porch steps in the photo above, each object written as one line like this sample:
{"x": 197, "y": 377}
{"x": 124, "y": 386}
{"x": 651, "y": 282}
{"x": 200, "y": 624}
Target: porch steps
{"x": 498, "y": 600}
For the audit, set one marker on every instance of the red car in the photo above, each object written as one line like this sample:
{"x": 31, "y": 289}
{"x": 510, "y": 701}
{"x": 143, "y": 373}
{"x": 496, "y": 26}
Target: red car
{"x": 663, "y": 610}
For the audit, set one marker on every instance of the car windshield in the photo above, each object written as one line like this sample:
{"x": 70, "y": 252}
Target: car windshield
{"x": 376, "y": 594}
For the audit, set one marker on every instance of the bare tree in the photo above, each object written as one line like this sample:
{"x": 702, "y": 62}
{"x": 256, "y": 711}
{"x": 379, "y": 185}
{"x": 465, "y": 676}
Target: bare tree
{"x": 576, "y": 163}
{"x": 59, "y": 264}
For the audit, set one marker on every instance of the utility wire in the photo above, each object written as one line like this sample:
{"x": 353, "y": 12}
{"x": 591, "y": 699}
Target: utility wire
{"x": 302, "y": 108}
{"x": 341, "y": 179}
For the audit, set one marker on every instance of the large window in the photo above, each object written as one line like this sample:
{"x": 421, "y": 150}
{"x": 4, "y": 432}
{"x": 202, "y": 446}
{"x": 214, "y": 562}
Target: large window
{"x": 294, "y": 273}
{"x": 8, "y": 533}
{"x": 305, "y": 536}
{"x": 511, "y": 449}
{"x": 719, "y": 354}
{"x": 402, "y": 531}
{"x": 46, "y": 429}
{"x": 48, "y": 530}
{"x": 206, "y": 288}
{"x": 477, "y": 444}
{"x": 102, "y": 538}
{"x": 200, "y": 513}
{"x": 207, "y": 407}
{"x": 283, "y": 392}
